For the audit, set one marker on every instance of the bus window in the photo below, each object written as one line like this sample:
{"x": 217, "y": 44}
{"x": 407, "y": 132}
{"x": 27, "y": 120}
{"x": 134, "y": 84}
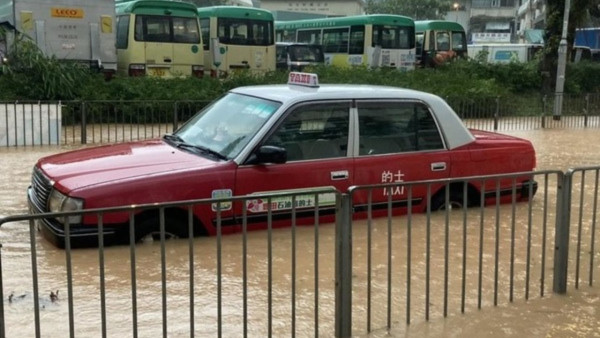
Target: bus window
{"x": 244, "y": 32}
{"x": 309, "y": 36}
{"x": 392, "y": 37}
{"x": 205, "y": 26}
{"x": 419, "y": 43}
{"x": 357, "y": 40}
{"x": 458, "y": 41}
{"x": 185, "y": 30}
{"x": 443, "y": 41}
{"x": 122, "y": 31}
{"x": 335, "y": 40}
{"x": 154, "y": 29}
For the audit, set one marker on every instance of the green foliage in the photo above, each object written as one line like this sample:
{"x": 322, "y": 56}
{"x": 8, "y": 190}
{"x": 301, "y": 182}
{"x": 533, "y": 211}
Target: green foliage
{"x": 29, "y": 74}
{"x": 582, "y": 77}
{"x": 33, "y": 77}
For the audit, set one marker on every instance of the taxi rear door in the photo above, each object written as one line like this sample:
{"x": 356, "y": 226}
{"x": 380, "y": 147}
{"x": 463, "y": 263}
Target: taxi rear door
{"x": 315, "y": 136}
{"x": 398, "y": 141}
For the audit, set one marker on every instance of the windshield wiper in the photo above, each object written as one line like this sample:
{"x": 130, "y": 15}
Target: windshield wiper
{"x": 173, "y": 138}
{"x": 202, "y": 149}
{"x": 180, "y": 143}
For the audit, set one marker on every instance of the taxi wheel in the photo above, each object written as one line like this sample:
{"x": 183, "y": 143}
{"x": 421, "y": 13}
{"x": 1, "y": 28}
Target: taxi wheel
{"x": 455, "y": 201}
{"x": 148, "y": 229}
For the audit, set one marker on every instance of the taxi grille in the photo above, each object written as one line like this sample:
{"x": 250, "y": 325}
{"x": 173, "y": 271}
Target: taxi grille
{"x": 41, "y": 186}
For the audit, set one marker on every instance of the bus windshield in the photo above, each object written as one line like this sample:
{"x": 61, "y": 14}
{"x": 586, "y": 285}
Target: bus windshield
{"x": 154, "y": 28}
{"x": 246, "y": 32}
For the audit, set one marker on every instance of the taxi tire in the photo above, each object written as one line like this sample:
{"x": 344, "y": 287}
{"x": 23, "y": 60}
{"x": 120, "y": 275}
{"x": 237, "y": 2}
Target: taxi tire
{"x": 149, "y": 228}
{"x": 438, "y": 201}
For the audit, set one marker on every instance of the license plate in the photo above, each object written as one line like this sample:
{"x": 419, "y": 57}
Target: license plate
{"x": 160, "y": 72}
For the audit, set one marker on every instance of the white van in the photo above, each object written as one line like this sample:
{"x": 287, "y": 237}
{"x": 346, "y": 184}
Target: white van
{"x": 504, "y": 52}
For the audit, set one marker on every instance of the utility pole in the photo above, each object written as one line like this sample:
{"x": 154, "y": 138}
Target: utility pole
{"x": 562, "y": 64}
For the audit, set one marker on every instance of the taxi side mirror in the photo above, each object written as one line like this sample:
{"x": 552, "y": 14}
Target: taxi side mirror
{"x": 268, "y": 154}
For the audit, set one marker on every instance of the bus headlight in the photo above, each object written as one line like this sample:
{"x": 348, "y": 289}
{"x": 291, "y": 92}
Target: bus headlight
{"x": 59, "y": 202}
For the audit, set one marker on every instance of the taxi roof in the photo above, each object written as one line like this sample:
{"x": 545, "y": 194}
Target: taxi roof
{"x": 455, "y": 133}
{"x": 288, "y": 93}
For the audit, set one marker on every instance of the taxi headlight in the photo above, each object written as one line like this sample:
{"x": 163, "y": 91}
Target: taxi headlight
{"x": 59, "y": 202}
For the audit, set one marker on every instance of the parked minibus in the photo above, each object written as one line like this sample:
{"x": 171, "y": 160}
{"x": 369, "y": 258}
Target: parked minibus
{"x": 438, "y": 41}
{"x": 375, "y": 40}
{"x": 237, "y": 38}
{"x": 158, "y": 38}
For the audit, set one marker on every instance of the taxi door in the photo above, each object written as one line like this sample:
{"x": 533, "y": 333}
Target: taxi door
{"x": 315, "y": 136}
{"x": 399, "y": 141}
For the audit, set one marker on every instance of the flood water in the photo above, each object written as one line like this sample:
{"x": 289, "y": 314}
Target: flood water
{"x": 575, "y": 314}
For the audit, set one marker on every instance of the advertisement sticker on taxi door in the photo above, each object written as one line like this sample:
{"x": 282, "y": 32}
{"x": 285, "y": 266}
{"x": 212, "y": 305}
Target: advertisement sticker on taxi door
{"x": 285, "y": 202}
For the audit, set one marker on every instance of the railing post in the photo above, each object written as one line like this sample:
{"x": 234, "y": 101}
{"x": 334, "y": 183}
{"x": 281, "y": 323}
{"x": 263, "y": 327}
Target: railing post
{"x": 544, "y": 98}
{"x": 497, "y": 113}
{"x": 83, "y": 124}
{"x": 562, "y": 229}
{"x": 586, "y": 111}
{"x": 2, "y": 323}
{"x": 175, "y": 115}
{"x": 343, "y": 267}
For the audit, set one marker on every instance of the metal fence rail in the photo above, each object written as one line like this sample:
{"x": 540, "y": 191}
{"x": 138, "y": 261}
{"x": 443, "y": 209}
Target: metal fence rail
{"x": 441, "y": 263}
{"x": 94, "y": 122}
{"x": 375, "y": 269}
{"x": 211, "y": 257}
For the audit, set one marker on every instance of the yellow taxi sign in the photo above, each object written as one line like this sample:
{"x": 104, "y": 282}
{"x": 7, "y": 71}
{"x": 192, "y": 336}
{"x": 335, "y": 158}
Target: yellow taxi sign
{"x": 303, "y": 79}
{"x": 61, "y": 12}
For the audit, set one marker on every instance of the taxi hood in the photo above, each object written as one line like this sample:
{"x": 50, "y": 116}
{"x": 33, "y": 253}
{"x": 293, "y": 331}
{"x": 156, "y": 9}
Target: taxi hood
{"x": 87, "y": 167}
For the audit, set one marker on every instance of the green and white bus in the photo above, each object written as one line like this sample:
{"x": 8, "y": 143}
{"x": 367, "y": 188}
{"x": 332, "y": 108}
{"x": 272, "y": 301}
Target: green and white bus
{"x": 375, "y": 40}
{"x": 237, "y": 38}
{"x": 158, "y": 38}
{"x": 439, "y": 41}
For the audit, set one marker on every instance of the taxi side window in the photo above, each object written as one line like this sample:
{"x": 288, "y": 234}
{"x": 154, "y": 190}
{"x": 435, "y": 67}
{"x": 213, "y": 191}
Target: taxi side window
{"x": 395, "y": 127}
{"x": 317, "y": 131}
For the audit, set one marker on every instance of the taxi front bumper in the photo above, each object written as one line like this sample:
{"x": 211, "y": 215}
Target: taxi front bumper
{"x": 79, "y": 235}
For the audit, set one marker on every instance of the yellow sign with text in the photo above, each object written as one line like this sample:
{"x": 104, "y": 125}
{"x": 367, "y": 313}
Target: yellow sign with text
{"x": 74, "y": 13}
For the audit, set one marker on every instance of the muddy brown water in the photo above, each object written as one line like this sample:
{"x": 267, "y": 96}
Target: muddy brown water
{"x": 575, "y": 314}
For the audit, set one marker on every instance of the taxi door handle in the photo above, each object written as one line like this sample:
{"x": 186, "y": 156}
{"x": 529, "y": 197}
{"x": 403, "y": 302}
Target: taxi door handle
{"x": 339, "y": 175}
{"x": 167, "y": 59}
{"x": 438, "y": 166}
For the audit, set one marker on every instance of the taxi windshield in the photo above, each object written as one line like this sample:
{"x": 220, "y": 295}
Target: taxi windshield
{"x": 226, "y": 126}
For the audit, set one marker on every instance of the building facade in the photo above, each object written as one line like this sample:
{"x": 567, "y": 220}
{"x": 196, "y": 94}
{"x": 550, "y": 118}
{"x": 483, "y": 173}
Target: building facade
{"x": 500, "y": 21}
{"x": 325, "y": 8}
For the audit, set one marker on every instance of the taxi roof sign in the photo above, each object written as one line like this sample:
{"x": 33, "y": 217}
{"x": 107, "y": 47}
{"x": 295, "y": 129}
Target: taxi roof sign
{"x": 303, "y": 79}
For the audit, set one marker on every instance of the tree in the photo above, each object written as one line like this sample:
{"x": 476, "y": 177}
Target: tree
{"x": 580, "y": 13}
{"x": 416, "y": 9}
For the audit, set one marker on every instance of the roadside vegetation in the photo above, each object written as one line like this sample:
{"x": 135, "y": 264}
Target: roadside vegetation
{"x": 30, "y": 76}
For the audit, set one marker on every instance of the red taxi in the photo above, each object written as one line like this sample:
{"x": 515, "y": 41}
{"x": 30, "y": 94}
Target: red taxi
{"x": 273, "y": 138}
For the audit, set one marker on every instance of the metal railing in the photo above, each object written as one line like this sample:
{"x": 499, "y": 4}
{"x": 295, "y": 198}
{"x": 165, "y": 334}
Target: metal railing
{"x": 97, "y": 122}
{"x": 412, "y": 265}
